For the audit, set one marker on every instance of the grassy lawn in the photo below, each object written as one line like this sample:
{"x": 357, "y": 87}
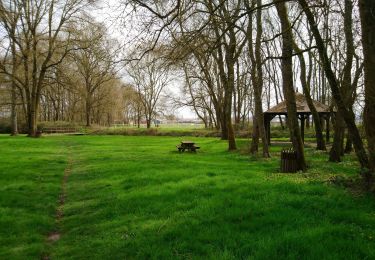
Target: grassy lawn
{"x": 137, "y": 198}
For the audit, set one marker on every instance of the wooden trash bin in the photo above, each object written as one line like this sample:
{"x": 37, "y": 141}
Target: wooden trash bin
{"x": 288, "y": 161}
{"x": 38, "y": 133}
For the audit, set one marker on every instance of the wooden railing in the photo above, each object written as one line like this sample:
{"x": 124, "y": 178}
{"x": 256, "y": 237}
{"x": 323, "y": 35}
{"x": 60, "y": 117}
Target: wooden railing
{"x": 61, "y": 130}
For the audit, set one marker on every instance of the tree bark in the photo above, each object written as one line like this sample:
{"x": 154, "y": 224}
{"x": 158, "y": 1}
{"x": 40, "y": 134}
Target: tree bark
{"x": 257, "y": 79}
{"x": 348, "y": 144}
{"x": 88, "y": 110}
{"x": 346, "y": 85}
{"x": 13, "y": 116}
{"x": 255, "y": 137}
{"x": 367, "y": 10}
{"x": 254, "y": 147}
{"x": 337, "y": 149}
{"x": 32, "y": 117}
{"x": 228, "y": 101}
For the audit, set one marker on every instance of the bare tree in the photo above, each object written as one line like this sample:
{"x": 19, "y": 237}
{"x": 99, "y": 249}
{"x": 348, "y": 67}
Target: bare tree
{"x": 347, "y": 88}
{"x": 150, "y": 76}
{"x": 345, "y": 111}
{"x": 288, "y": 88}
{"x": 320, "y": 143}
{"x": 38, "y": 39}
{"x": 367, "y": 8}
{"x": 94, "y": 61}
{"x": 257, "y": 80}
{"x": 9, "y": 18}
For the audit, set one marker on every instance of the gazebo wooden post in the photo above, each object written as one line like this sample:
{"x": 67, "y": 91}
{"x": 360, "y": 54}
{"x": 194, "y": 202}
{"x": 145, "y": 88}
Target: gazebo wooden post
{"x": 308, "y": 121}
{"x": 269, "y": 130}
{"x": 267, "y": 127}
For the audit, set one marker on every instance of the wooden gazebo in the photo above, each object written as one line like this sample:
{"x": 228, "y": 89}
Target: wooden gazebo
{"x": 303, "y": 112}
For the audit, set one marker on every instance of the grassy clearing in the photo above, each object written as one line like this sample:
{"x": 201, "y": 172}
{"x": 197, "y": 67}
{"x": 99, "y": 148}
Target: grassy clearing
{"x": 136, "y": 197}
{"x": 154, "y": 131}
{"x": 30, "y": 176}
{"x": 195, "y": 130}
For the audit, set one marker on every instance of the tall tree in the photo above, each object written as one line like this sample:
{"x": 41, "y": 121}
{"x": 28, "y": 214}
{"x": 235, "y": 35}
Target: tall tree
{"x": 346, "y": 86}
{"x": 9, "y": 18}
{"x": 229, "y": 48}
{"x": 345, "y": 111}
{"x": 320, "y": 143}
{"x": 289, "y": 93}
{"x": 38, "y": 38}
{"x": 367, "y": 11}
{"x": 151, "y": 77}
{"x": 257, "y": 79}
{"x": 94, "y": 60}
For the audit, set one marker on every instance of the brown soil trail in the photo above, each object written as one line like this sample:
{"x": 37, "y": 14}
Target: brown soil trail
{"x": 55, "y": 235}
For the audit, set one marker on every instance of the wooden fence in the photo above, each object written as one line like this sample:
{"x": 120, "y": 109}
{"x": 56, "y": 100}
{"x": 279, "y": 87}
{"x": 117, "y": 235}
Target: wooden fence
{"x": 60, "y": 130}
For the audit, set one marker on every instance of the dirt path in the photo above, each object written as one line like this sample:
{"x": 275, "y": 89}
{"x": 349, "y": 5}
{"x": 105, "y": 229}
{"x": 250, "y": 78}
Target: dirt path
{"x": 55, "y": 235}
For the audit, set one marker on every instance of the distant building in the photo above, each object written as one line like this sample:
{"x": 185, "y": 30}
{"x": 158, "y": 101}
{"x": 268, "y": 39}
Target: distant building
{"x": 157, "y": 122}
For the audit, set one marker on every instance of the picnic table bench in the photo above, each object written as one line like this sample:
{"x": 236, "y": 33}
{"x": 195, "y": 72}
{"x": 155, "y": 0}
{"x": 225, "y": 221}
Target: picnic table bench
{"x": 187, "y": 145}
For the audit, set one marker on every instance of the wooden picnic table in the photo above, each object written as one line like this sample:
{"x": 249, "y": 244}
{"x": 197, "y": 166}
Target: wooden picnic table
{"x": 187, "y": 145}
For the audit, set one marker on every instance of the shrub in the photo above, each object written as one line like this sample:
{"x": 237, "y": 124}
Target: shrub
{"x": 5, "y": 127}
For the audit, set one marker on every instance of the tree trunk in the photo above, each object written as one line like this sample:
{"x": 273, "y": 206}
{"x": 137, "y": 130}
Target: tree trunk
{"x": 138, "y": 118}
{"x": 226, "y": 60}
{"x": 32, "y": 118}
{"x": 257, "y": 80}
{"x": 259, "y": 86}
{"x": 348, "y": 145}
{"x": 231, "y": 137}
{"x": 255, "y": 137}
{"x": 88, "y": 110}
{"x": 289, "y": 94}
{"x": 320, "y": 144}
{"x": 13, "y": 116}
{"x": 367, "y": 10}
{"x": 14, "y": 124}
{"x": 148, "y": 118}
{"x": 346, "y": 85}
{"x": 224, "y": 127}
{"x": 338, "y": 139}
{"x": 228, "y": 106}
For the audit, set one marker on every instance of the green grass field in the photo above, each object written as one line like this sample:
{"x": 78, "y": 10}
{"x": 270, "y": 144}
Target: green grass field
{"x": 137, "y": 198}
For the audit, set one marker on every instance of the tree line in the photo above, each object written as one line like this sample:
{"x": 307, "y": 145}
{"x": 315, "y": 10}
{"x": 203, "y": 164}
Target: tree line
{"x": 233, "y": 60}
{"x": 235, "y": 53}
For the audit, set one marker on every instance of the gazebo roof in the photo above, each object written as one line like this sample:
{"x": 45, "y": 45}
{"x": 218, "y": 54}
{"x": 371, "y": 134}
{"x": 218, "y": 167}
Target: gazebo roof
{"x": 301, "y": 104}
